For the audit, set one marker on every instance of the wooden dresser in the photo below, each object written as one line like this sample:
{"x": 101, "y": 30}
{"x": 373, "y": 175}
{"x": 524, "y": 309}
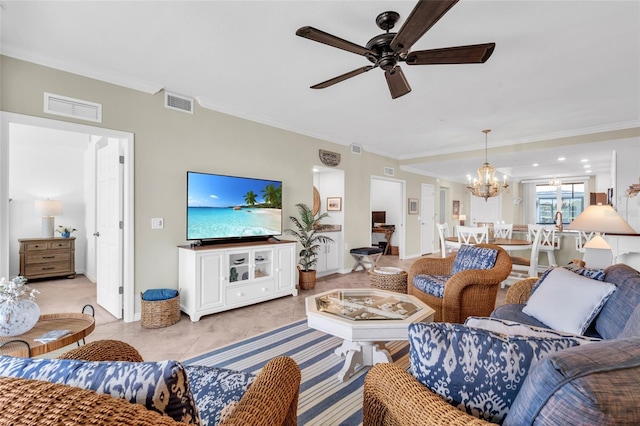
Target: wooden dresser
{"x": 47, "y": 257}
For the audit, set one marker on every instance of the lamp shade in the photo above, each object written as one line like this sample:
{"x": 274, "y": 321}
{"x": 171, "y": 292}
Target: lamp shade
{"x": 48, "y": 207}
{"x": 601, "y": 218}
{"x": 462, "y": 217}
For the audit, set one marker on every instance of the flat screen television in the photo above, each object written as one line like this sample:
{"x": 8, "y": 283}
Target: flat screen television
{"x": 222, "y": 208}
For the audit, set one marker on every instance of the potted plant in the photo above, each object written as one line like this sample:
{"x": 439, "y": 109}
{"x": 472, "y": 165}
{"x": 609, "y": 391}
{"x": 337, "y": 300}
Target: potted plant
{"x": 305, "y": 233}
{"x": 65, "y": 231}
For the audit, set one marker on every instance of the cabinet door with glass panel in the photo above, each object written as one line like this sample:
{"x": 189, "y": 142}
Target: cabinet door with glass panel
{"x": 250, "y": 265}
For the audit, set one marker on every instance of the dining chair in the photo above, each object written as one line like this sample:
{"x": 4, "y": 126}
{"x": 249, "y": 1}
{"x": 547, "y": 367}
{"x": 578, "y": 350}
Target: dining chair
{"x": 445, "y": 246}
{"x": 528, "y": 265}
{"x": 549, "y": 243}
{"x": 502, "y": 230}
{"x": 583, "y": 238}
{"x": 473, "y": 234}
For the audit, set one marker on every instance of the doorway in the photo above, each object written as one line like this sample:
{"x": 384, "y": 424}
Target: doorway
{"x": 427, "y": 219}
{"x": 388, "y": 195}
{"x": 125, "y": 249}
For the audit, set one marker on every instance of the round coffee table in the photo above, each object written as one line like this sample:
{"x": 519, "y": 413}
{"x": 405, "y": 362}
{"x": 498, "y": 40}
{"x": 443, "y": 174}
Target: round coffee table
{"x": 79, "y": 326}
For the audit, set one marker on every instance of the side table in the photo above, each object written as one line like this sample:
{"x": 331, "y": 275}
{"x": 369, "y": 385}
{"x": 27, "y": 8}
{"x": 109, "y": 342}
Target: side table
{"x": 79, "y": 326}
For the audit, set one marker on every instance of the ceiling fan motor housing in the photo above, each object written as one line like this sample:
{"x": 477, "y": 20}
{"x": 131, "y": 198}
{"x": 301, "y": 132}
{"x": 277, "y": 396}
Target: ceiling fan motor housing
{"x": 386, "y": 57}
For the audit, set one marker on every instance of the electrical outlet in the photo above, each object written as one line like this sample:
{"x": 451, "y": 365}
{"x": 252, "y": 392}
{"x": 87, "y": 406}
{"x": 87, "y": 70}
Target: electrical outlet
{"x": 157, "y": 223}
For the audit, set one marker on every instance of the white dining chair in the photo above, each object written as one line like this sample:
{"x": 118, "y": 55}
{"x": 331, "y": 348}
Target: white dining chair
{"x": 583, "y": 238}
{"x": 528, "y": 265}
{"x": 446, "y": 247}
{"x": 473, "y": 234}
{"x": 549, "y": 242}
{"x": 503, "y": 230}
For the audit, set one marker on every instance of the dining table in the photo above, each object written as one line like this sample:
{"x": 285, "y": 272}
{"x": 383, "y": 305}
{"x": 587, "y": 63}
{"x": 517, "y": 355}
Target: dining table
{"x": 505, "y": 243}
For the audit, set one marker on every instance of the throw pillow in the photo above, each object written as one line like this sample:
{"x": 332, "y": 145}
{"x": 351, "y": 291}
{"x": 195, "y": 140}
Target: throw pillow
{"x": 587, "y": 385}
{"x": 568, "y": 302}
{"x": 513, "y": 328}
{"x": 593, "y": 273}
{"x": 217, "y": 391}
{"x": 160, "y": 386}
{"x": 473, "y": 257}
{"x": 477, "y": 371}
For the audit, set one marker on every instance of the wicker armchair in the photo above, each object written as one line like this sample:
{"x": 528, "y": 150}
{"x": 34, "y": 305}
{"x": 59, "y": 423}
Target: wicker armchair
{"x": 272, "y": 399}
{"x": 467, "y": 293}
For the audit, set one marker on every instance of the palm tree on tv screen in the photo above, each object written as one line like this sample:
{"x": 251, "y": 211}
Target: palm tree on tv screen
{"x": 250, "y": 198}
{"x": 272, "y": 196}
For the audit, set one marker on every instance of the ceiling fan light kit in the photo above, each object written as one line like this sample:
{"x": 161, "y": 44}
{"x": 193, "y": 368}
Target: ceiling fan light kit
{"x": 487, "y": 185}
{"x": 386, "y": 50}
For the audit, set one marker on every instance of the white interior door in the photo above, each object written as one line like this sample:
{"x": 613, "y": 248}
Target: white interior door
{"x": 109, "y": 233}
{"x": 489, "y": 211}
{"x": 427, "y": 219}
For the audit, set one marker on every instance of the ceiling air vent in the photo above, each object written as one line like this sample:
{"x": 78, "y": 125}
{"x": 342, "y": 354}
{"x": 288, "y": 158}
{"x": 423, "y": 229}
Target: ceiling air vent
{"x": 70, "y": 107}
{"x": 178, "y": 102}
{"x": 389, "y": 171}
{"x": 356, "y": 149}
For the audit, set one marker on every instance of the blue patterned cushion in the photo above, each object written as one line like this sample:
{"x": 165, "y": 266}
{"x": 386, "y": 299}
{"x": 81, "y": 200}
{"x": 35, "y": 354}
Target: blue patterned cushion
{"x": 594, "y": 384}
{"x": 476, "y": 370}
{"x": 160, "y": 386}
{"x": 472, "y": 257}
{"x": 615, "y": 314}
{"x": 431, "y": 284}
{"x": 217, "y": 391}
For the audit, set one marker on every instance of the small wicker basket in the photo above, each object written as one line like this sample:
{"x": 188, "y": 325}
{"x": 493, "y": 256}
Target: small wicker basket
{"x": 389, "y": 282}
{"x": 160, "y": 313}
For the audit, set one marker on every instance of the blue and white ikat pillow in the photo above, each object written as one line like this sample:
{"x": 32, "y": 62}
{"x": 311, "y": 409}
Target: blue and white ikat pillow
{"x": 473, "y": 257}
{"x": 477, "y": 371}
{"x": 160, "y": 386}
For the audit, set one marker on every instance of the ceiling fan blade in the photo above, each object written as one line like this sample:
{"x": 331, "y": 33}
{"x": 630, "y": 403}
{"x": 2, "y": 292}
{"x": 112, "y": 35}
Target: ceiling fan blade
{"x": 331, "y": 40}
{"x": 398, "y": 84}
{"x": 474, "y": 54}
{"x": 423, "y": 16}
{"x": 342, "y": 77}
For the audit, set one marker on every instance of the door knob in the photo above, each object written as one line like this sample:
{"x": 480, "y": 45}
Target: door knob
{"x": 96, "y": 234}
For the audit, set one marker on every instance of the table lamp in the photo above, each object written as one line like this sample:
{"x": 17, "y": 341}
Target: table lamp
{"x": 462, "y": 218}
{"x": 600, "y": 218}
{"x": 48, "y": 209}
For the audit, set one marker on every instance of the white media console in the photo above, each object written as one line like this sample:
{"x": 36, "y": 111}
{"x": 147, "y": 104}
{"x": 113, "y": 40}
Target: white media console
{"x": 220, "y": 277}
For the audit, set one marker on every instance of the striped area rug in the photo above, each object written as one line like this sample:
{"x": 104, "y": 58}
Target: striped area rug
{"x": 323, "y": 399}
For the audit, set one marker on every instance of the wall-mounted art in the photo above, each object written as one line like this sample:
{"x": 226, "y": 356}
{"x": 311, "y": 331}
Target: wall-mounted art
{"x": 334, "y": 204}
{"x": 413, "y": 206}
{"x": 456, "y": 209}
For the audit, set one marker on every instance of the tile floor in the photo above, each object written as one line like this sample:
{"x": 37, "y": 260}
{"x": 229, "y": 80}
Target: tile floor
{"x": 188, "y": 339}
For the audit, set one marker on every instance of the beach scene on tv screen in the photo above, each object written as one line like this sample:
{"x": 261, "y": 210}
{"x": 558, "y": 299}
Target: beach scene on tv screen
{"x": 230, "y": 207}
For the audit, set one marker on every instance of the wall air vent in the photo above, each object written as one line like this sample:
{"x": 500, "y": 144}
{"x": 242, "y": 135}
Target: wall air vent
{"x": 178, "y": 102}
{"x": 70, "y": 107}
{"x": 356, "y": 149}
{"x": 389, "y": 171}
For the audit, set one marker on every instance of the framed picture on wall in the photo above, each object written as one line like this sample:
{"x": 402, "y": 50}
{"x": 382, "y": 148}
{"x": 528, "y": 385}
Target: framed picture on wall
{"x": 456, "y": 209}
{"x": 413, "y": 206}
{"x": 334, "y": 204}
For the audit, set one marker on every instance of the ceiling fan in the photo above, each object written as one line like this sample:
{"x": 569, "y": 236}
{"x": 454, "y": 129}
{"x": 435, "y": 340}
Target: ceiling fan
{"x": 387, "y": 50}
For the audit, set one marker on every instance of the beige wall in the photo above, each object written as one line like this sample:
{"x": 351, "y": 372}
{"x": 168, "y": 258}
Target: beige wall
{"x": 168, "y": 143}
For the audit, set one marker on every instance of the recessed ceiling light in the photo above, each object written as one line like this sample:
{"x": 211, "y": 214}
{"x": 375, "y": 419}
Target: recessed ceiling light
{"x": 562, "y": 158}
{"x": 584, "y": 160}
{"x": 588, "y": 171}
{"x": 587, "y": 166}
{"x": 535, "y": 164}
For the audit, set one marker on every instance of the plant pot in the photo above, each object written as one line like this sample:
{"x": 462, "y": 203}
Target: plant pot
{"x": 306, "y": 279}
{"x": 18, "y": 317}
{"x": 65, "y": 234}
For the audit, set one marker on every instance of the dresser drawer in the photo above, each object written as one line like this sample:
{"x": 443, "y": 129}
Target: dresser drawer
{"x": 66, "y": 244}
{"x": 35, "y": 270}
{"x": 243, "y": 293}
{"x": 48, "y": 257}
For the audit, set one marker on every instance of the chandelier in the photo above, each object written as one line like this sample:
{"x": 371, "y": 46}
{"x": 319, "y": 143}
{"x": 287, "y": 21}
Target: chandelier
{"x": 555, "y": 182}
{"x": 486, "y": 185}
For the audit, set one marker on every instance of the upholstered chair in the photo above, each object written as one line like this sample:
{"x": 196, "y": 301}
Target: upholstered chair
{"x": 467, "y": 292}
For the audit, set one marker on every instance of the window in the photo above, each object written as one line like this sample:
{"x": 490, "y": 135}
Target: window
{"x": 570, "y": 196}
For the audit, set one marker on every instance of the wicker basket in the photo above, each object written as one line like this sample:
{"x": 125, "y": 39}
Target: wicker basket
{"x": 389, "y": 282}
{"x": 160, "y": 313}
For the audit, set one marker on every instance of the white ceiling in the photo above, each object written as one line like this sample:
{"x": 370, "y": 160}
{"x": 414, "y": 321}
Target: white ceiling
{"x": 560, "y": 69}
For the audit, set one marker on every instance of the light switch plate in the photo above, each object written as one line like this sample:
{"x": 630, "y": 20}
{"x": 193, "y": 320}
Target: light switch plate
{"x": 157, "y": 223}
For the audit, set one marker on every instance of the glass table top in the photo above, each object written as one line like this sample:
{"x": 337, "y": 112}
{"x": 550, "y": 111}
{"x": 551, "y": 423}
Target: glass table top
{"x": 358, "y": 305}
